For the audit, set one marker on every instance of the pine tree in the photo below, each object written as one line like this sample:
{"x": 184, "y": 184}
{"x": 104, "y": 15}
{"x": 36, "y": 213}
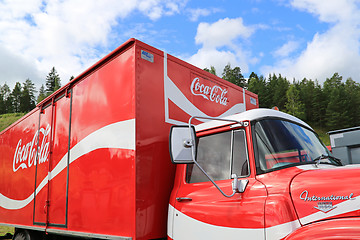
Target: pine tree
{"x": 293, "y": 105}
{"x": 352, "y": 103}
{"x": 27, "y": 100}
{"x": 306, "y": 94}
{"x": 258, "y": 85}
{"x": 2, "y": 103}
{"x": 336, "y": 104}
{"x": 234, "y": 75}
{"x": 276, "y": 91}
{"x": 52, "y": 82}
{"x": 212, "y": 70}
{"x": 320, "y": 103}
{"x": 6, "y": 93}
{"x": 42, "y": 94}
{"x": 16, "y": 96}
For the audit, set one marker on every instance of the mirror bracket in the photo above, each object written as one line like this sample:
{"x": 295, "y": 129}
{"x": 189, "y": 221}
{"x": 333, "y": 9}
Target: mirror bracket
{"x": 239, "y": 186}
{"x": 188, "y": 143}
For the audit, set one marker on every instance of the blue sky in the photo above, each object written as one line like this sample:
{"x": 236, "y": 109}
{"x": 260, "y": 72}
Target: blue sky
{"x": 295, "y": 38}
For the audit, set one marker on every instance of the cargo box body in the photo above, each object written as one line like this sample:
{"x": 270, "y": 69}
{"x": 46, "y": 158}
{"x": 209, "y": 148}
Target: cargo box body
{"x": 92, "y": 159}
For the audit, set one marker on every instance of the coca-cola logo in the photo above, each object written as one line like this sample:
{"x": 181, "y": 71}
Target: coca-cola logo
{"x": 26, "y": 154}
{"x": 214, "y": 93}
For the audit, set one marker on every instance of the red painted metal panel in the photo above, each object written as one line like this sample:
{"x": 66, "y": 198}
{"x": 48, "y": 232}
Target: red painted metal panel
{"x": 242, "y": 212}
{"x": 102, "y": 178}
{"x": 208, "y": 205}
{"x": 169, "y": 91}
{"x": 153, "y": 167}
{"x": 18, "y": 146}
{"x": 338, "y": 229}
{"x": 42, "y": 166}
{"x": 58, "y": 183}
{"x": 322, "y": 199}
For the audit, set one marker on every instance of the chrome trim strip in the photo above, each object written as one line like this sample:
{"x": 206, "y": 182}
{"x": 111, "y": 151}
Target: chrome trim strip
{"x": 68, "y": 233}
{"x": 89, "y": 235}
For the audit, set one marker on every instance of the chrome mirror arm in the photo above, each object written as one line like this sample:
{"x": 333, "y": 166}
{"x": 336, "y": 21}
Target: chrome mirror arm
{"x": 213, "y": 182}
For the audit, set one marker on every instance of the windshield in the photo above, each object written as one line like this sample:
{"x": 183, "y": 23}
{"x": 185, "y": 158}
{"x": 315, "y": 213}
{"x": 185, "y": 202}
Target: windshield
{"x": 283, "y": 144}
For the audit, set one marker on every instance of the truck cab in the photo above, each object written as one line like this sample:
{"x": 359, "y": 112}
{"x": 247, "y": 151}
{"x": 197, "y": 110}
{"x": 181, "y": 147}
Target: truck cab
{"x": 260, "y": 174}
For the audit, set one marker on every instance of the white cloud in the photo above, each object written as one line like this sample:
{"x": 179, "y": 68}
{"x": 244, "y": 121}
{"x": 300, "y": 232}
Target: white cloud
{"x": 64, "y": 33}
{"x": 154, "y": 9}
{"x": 10, "y": 64}
{"x": 221, "y": 44}
{"x": 328, "y": 11}
{"x": 196, "y": 13}
{"x": 286, "y": 49}
{"x": 335, "y": 50}
{"x": 212, "y": 57}
{"x": 222, "y": 32}
{"x": 199, "y": 12}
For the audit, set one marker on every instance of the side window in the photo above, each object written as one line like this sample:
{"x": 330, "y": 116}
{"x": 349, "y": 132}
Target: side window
{"x": 220, "y": 155}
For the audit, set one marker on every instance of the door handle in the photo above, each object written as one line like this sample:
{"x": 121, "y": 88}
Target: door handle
{"x": 183, "y": 199}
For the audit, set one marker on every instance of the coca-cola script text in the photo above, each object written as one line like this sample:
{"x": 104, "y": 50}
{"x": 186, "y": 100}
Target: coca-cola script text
{"x": 26, "y": 154}
{"x": 212, "y": 93}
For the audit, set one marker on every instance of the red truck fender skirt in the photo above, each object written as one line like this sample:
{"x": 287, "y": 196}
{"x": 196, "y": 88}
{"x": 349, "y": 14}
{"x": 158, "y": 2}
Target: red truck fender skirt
{"x": 343, "y": 228}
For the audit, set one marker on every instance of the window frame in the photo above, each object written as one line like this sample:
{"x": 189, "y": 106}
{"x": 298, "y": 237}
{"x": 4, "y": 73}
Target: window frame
{"x": 231, "y": 162}
{"x": 258, "y": 169}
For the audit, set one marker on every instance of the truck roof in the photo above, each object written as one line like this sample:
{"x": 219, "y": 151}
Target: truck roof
{"x": 344, "y": 130}
{"x": 251, "y": 115}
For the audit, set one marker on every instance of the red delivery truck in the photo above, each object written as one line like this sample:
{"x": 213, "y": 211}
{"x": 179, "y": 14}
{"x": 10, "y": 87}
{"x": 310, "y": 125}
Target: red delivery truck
{"x": 145, "y": 146}
{"x": 92, "y": 160}
{"x": 260, "y": 174}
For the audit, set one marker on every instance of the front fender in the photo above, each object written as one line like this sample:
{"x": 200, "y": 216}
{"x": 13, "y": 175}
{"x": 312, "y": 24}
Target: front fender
{"x": 280, "y": 216}
{"x": 335, "y": 229}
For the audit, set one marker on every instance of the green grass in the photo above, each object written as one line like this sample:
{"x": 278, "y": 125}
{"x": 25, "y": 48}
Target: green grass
{"x": 9, "y": 118}
{"x": 4, "y": 230}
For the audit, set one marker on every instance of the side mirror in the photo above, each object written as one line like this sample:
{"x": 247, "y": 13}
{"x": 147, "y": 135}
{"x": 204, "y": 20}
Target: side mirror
{"x": 182, "y": 144}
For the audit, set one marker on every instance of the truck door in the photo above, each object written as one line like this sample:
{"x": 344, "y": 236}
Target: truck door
{"x": 201, "y": 211}
{"x": 52, "y": 168}
{"x": 42, "y": 166}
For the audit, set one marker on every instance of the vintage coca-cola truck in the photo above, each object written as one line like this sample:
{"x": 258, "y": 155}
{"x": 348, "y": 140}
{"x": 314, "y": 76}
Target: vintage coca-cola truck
{"x": 92, "y": 160}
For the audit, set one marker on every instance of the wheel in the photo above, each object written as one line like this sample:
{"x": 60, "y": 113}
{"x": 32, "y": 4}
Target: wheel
{"x": 22, "y": 234}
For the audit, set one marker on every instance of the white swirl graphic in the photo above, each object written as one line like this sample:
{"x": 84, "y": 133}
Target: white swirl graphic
{"x": 119, "y": 135}
{"x": 173, "y": 93}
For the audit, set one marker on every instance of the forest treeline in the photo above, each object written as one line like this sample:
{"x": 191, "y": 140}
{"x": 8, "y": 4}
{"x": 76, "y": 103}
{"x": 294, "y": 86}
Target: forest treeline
{"x": 335, "y": 104}
{"x": 24, "y": 96}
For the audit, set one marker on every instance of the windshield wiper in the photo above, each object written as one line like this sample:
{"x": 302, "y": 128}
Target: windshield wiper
{"x": 337, "y": 160}
{"x": 318, "y": 159}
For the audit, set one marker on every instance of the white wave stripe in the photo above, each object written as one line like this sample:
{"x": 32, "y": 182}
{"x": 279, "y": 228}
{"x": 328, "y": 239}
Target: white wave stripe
{"x": 119, "y": 135}
{"x": 341, "y": 208}
{"x": 282, "y": 230}
{"x": 185, "y": 227}
{"x": 182, "y": 226}
{"x": 173, "y": 93}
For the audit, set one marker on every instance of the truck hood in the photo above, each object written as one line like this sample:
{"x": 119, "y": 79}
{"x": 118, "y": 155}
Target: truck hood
{"x": 326, "y": 193}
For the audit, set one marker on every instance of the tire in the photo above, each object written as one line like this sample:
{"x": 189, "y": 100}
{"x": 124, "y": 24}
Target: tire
{"x": 22, "y": 235}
